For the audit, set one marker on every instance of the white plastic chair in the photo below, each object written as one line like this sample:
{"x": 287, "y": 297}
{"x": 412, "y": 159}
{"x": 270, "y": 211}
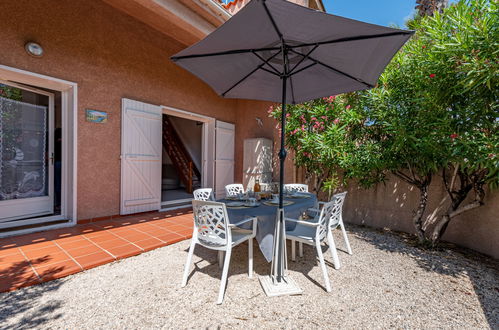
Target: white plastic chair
{"x": 203, "y": 194}
{"x": 295, "y": 187}
{"x": 213, "y": 231}
{"x": 314, "y": 233}
{"x": 233, "y": 190}
{"x": 269, "y": 187}
{"x": 340, "y": 198}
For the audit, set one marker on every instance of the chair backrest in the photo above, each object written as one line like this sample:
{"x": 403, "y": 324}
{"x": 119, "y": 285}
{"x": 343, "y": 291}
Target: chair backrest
{"x": 203, "y": 194}
{"x": 338, "y": 200}
{"x": 269, "y": 187}
{"x": 295, "y": 187}
{"x": 232, "y": 190}
{"x": 211, "y": 223}
{"x": 324, "y": 220}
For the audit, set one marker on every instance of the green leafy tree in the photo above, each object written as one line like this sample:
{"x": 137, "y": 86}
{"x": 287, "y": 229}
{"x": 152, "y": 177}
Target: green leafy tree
{"x": 428, "y": 7}
{"x": 434, "y": 112}
{"x": 462, "y": 49}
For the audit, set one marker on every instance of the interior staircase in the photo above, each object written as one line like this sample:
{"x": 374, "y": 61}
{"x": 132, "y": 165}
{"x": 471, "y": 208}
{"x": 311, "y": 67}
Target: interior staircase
{"x": 188, "y": 172}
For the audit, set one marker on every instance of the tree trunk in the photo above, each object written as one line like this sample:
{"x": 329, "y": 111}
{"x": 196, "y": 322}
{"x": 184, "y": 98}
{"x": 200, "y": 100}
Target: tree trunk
{"x": 439, "y": 229}
{"x": 422, "y": 183}
{"x": 418, "y": 214}
{"x": 454, "y": 209}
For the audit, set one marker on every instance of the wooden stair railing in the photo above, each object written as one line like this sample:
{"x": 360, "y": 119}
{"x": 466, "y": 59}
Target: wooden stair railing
{"x": 181, "y": 159}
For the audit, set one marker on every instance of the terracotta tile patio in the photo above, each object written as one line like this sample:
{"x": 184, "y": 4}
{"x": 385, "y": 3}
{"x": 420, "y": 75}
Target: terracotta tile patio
{"x": 35, "y": 258}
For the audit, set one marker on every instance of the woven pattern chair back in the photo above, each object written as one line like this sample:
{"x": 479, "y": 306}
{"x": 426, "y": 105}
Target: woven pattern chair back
{"x": 338, "y": 200}
{"x": 326, "y": 213}
{"x": 203, "y": 194}
{"x": 295, "y": 187}
{"x": 232, "y": 190}
{"x": 211, "y": 223}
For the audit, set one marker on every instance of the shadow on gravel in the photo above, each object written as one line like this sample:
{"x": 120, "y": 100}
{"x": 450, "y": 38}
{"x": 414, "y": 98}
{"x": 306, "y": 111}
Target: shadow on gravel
{"x": 27, "y": 301}
{"x": 448, "y": 260}
{"x": 239, "y": 263}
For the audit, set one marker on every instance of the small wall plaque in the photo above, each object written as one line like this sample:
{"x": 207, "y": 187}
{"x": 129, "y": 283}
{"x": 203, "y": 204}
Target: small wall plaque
{"x": 95, "y": 116}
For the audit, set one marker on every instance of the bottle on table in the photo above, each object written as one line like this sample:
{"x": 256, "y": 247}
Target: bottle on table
{"x": 256, "y": 187}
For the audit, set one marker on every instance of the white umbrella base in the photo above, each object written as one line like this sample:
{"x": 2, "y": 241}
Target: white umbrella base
{"x": 286, "y": 287}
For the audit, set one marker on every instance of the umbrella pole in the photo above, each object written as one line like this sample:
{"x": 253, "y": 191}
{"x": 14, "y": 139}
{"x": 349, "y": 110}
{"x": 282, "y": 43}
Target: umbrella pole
{"x": 280, "y": 238}
{"x": 279, "y": 283}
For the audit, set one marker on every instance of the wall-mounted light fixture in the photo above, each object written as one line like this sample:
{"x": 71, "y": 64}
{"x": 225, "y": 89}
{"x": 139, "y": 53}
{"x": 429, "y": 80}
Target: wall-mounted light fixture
{"x": 33, "y": 49}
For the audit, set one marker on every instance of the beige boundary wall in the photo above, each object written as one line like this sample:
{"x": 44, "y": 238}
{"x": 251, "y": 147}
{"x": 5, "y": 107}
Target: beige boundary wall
{"x": 390, "y": 205}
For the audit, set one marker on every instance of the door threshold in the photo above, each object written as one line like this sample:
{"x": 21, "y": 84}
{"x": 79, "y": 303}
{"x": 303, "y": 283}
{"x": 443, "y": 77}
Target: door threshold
{"x": 32, "y": 221}
{"x": 28, "y": 229}
{"x": 176, "y": 204}
{"x": 172, "y": 208}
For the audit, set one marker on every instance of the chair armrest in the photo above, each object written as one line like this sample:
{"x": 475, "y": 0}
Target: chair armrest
{"x": 318, "y": 208}
{"x": 242, "y": 222}
{"x": 301, "y": 222}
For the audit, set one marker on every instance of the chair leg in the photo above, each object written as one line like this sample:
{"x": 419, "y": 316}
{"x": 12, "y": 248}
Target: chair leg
{"x": 323, "y": 265}
{"x": 332, "y": 247}
{"x": 225, "y": 271}
{"x": 300, "y": 249}
{"x": 188, "y": 263}
{"x": 220, "y": 259}
{"x": 345, "y": 237}
{"x": 293, "y": 250}
{"x": 250, "y": 258}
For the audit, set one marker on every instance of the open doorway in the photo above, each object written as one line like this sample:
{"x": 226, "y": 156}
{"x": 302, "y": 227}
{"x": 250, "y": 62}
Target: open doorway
{"x": 182, "y": 160}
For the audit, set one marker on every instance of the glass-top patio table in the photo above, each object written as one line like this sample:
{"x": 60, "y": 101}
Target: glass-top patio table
{"x": 266, "y": 215}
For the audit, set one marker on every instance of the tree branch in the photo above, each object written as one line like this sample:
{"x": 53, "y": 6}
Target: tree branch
{"x": 412, "y": 172}
{"x": 473, "y": 205}
{"x": 456, "y": 168}
{"x": 405, "y": 178}
{"x": 453, "y": 180}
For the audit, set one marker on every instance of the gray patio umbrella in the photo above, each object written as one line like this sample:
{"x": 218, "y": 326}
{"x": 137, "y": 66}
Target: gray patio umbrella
{"x": 275, "y": 50}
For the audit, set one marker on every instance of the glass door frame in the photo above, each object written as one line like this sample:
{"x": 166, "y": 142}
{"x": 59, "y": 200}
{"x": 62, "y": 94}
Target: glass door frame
{"x": 49, "y": 199}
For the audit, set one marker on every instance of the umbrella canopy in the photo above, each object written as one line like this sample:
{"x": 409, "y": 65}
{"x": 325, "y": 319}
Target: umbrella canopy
{"x": 274, "y": 50}
{"x": 327, "y": 54}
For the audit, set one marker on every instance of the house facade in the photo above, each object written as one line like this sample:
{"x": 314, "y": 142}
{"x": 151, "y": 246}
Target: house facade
{"x": 86, "y": 89}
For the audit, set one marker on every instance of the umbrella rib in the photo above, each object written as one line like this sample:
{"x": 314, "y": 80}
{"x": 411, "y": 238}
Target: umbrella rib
{"x": 279, "y": 34}
{"x": 249, "y": 74}
{"x": 266, "y": 62}
{"x": 346, "y": 39}
{"x": 252, "y": 50}
{"x": 271, "y": 72}
{"x": 303, "y": 59}
{"x": 335, "y": 70}
{"x": 287, "y": 71}
{"x": 304, "y": 68}
{"x": 227, "y": 52}
{"x": 292, "y": 89}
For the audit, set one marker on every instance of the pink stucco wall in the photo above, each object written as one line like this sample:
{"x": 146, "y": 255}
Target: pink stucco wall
{"x": 110, "y": 55}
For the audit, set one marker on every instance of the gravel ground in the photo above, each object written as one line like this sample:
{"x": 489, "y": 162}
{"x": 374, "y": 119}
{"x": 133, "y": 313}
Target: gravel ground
{"x": 387, "y": 283}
